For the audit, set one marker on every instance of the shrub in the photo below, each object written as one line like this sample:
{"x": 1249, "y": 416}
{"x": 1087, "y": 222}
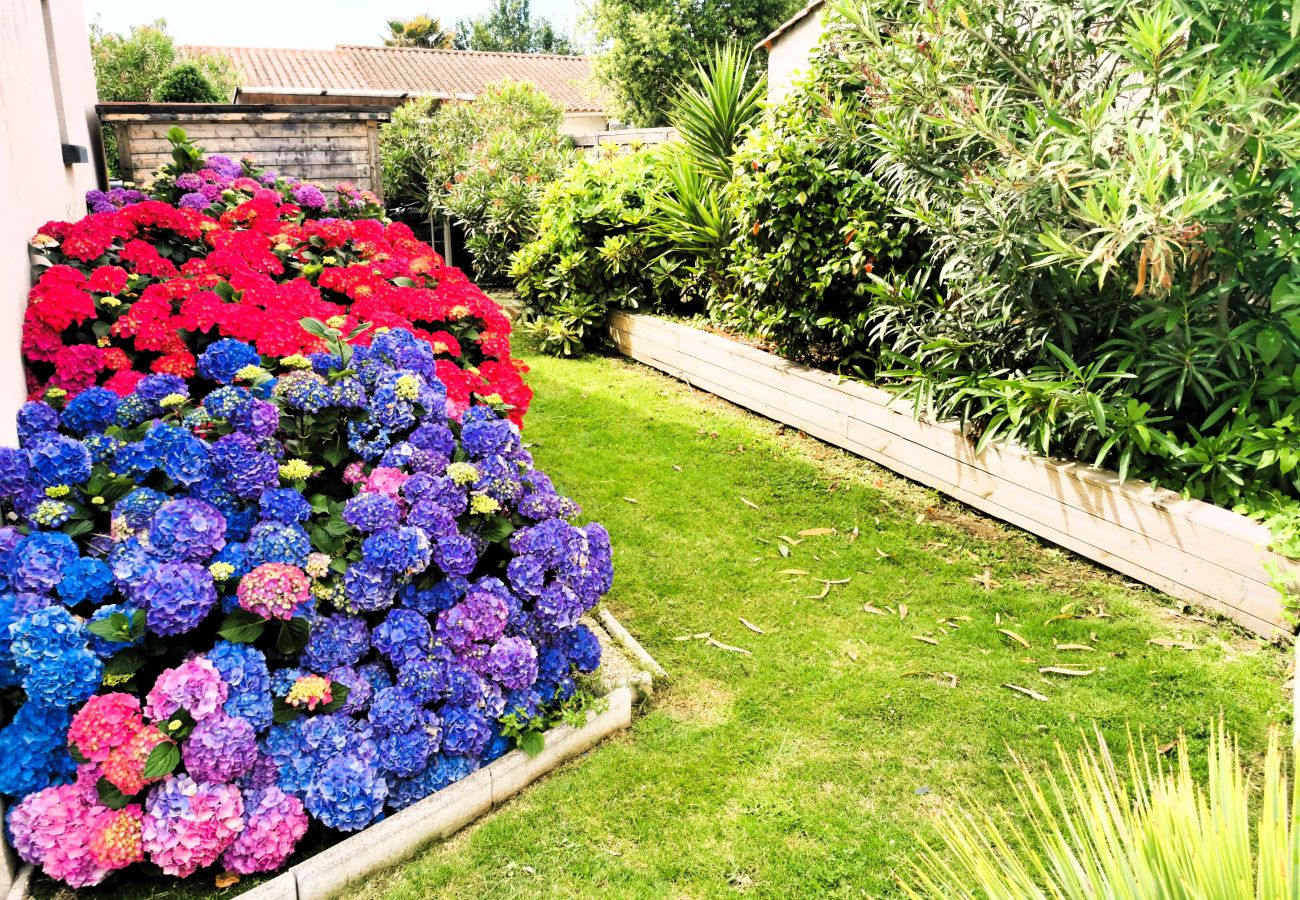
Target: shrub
{"x": 592, "y": 251}
{"x": 817, "y": 243}
{"x": 483, "y": 163}
{"x": 1107, "y": 271}
{"x": 186, "y": 83}
{"x": 300, "y": 581}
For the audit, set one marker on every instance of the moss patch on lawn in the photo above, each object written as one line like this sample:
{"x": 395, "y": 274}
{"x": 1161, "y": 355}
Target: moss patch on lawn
{"x": 872, "y": 698}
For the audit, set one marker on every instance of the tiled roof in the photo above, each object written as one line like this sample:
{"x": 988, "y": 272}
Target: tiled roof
{"x": 567, "y": 80}
{"x": 767, "y": 42}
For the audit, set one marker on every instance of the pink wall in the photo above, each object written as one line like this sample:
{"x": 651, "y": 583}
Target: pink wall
{"x": 47, "y": 99}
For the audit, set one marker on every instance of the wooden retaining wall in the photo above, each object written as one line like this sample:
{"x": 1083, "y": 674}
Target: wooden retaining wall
{"x": 1191, "y": 550}
{"x": 324, "y": 144}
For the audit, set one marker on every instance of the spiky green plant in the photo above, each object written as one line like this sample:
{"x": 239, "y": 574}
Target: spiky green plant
{"x": 713, "y": 112}
{"x": 1094, "y": 833}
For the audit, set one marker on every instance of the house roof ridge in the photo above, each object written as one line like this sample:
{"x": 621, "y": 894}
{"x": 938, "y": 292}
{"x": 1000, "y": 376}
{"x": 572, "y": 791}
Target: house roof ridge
{"x": 510, "y": 53}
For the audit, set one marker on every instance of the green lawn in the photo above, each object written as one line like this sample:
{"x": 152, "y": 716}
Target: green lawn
{"x": 807, "y": 767}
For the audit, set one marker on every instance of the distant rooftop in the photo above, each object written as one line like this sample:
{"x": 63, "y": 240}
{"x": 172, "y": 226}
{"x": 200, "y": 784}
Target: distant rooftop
{"x": 357, "y": 70}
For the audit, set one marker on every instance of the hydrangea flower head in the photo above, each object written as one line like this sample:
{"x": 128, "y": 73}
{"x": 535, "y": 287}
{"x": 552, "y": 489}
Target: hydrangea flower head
{"x": 274, "y": 591}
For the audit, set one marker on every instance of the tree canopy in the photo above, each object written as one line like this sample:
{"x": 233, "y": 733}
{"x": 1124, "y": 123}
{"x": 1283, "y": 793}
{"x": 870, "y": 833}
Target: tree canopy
{"x": 651, "y": 45}
{"x": 510, "y": 27}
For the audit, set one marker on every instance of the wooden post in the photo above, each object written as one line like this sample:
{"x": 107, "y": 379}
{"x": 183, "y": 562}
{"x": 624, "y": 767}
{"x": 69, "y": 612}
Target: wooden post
{"x": 446, "y": 239}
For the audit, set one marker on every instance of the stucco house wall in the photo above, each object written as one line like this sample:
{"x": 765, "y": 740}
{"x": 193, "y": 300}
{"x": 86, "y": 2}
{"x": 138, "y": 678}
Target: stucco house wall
{"x": 790, "y": 47}
{"x": 47, "y": 101}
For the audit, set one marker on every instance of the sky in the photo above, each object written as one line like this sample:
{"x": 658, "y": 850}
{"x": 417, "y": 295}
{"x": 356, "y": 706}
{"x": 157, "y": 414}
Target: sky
{"x": 318, "y": 24}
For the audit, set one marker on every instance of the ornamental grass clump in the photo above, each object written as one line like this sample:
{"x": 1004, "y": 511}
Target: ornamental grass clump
{"x": 1090, "y": 831}
{"x": 276, "y": 593}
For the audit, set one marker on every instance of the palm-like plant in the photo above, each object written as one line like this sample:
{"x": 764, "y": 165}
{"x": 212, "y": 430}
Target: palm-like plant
{"x": 713, "y": 112}
{"x": 418, "y": 31}
{"x": 1092, "y": 833}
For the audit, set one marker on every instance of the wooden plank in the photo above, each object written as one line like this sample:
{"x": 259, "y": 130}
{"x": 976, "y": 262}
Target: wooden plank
{"x": 372, "y": 182}
{"x": 1175, "y": 547}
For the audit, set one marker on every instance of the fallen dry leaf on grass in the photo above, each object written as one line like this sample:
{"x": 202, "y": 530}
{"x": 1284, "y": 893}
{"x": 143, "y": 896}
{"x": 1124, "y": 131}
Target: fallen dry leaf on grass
{"x": 1015, "y": 637}
{"x": 826, "y": 590}
{"x": 227, "y": 879}
{"x": 867, "y": 607}
{"x": 677, "y": 468}
{"x": 1076, "y": 647}
{"x": 1060, "y": 670}
{"x": 986, "y": 580}
{"x": 925, "y": 639}
{"x": 630, "y": 499}
{"x": 749, "y": 503}
{"x": 751, "y": 626}
{"x": 692, "y": 637}
{"x": 1169, "y": 644}
{"x": 721, "y": 646}
{"x": 902, "y": 610}
{"x": 792, "y": 572}
{"x": 785, "y": 551}
{"x": 853, "y": 654}
{"x": 816, "y": 532}
{"x": 1028, "y": 692}
{"x": 789, "y": 540}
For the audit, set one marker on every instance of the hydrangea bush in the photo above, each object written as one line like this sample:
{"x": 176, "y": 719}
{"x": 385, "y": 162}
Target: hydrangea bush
{"x": 276, "y": 591}
{"x": 217, "y": 249}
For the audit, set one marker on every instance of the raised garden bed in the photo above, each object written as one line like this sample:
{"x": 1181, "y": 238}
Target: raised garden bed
{"x": 1189, "y": 549}
{"x": 627, "y": 672}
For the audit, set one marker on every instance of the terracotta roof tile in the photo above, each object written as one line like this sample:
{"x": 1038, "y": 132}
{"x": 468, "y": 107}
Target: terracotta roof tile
{"x": 567, "y": 80}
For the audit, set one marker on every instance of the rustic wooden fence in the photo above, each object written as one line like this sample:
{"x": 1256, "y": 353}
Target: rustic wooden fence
{"x": 325, "y": 144}
{"x": 1191, "y": 550}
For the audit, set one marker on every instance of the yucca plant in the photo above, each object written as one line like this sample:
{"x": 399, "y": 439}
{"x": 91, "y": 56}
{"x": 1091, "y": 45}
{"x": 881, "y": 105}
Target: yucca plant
{"x": 713, "y": 112}
{"x": 1092, "y": 832}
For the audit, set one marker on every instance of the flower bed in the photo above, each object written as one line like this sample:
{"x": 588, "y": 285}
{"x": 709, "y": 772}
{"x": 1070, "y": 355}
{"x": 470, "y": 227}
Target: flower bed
{"x": 141, "y": 285}
{"x": 267, "y": 573}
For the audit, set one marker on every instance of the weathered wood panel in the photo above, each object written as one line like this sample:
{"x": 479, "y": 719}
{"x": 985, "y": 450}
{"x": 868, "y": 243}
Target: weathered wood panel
{"x": 324, "y": 144}
{"x": 1188, "y": 549}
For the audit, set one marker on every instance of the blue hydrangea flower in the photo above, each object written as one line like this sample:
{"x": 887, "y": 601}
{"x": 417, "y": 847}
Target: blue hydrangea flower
{"x": 15, "y": 470}
{"x": 425, "y": 679}
{"x": 189, "y": 530}
{"x": 368, "y": 588}
{"x": 441, "y": 771}
{"x": 35, "y": 417}
{"x": 393, "y": 709}
{"x": 346, "y": 795}
{"x": 59, "y": 460}
{"x": 52, "y": 655}
{"x": 243, "y": 669}
{"x": 34, "y": 750}
{"x": 279, "y": 543}
{"x": 227, "y": 402}
{"x": 443, "y": 595}
{"x": 85, "y": 580}
{"x": 336, "y": 640}
{"x": 177, "y": 596}
{"x": 372, "y": 511}
{"x": 404, "y": 635}
{"x": 248, "y": 471}
{"x": 284, "y": 505}
{"x": 91, "y": 410}
{"x": 41, "y": 559}
{"x": 455, "y": 554}
{"x": 139, "y": 506}
{"x": 153, "y": 388}
{"x": 465, "y": 731}
{"x": 224, "y": 358}
{"x": 398, "y": 551}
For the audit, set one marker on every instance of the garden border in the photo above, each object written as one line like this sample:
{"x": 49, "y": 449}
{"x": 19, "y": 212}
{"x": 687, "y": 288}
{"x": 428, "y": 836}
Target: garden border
{"x": 1186, "y": 548}
{"x": 400, "y": 835}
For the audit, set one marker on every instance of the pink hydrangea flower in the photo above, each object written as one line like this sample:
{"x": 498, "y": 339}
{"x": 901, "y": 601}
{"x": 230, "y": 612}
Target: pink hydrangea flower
{"x": 274, "y": 590}
{"x": 274, "y": 822}
{"x": 118, "y": 842}
{"x": 195, "y": 686}
{"x": 386, "y": 480}
{"x": 106, "y": 722}
{"x": 124, "y": 767}
{"x": 353, "y": 472}
{"x": 54, "y": 829}
{"x": 188, "y": 825}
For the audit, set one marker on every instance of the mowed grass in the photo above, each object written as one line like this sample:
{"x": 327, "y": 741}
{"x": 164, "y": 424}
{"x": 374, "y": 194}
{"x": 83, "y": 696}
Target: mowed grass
{"x": 807, "y": 767}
